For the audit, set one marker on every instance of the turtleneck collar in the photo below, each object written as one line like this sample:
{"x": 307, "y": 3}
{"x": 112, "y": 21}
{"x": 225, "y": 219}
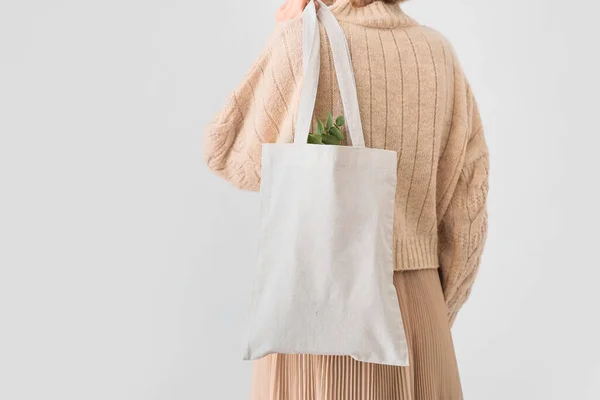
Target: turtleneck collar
{"x": 377, "y": 14}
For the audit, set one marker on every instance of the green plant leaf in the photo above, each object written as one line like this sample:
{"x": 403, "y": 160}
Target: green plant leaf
{"x": 335, "y": 131}
{"x": 320, "y": 128}
{"x": 329, "y": 123}
{"x": 340, "y": 121}
{"x": 329, "y": 139}
{"x": 315, "y": 139}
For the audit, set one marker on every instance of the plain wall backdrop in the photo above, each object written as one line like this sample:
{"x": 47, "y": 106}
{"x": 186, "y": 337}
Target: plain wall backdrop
{"x": 125, "y": 265}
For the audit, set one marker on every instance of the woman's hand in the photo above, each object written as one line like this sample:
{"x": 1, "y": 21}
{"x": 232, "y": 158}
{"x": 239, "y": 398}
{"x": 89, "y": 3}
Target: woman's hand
{"x": 291, "y": 9}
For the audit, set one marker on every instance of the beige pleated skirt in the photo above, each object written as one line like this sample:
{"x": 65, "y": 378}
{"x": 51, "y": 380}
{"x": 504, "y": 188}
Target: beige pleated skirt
{"x": 431, "y": 375}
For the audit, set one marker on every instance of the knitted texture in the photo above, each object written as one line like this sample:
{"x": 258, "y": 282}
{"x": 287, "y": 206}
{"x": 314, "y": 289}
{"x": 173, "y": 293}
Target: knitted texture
{"x": 414, "y": 99}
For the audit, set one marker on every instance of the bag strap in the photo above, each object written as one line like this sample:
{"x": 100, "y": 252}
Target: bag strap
{"x": 311, "y": 43}
{"x": 311, "y": 62}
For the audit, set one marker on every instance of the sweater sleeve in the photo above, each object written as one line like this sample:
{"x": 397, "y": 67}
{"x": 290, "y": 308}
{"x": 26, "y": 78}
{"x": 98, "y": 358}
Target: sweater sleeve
{"x": 261, "y": 110}
{"x": 463, "y": 227}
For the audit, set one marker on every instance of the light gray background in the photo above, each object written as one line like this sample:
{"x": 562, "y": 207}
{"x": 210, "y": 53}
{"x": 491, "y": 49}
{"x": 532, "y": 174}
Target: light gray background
{"x": 125, "y": 265}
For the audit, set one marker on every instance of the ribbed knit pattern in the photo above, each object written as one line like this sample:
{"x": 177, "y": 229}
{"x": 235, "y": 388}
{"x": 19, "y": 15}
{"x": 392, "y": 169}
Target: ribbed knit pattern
{"x": 414, "y": 99}
{"x": 431, "y": 375}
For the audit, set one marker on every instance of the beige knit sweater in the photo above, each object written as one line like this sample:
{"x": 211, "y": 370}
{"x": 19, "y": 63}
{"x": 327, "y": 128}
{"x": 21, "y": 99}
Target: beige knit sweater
{"x": 414, "y": 99}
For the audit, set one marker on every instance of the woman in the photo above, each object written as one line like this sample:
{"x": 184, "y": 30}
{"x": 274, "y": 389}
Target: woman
{"x": 414, "y": 99}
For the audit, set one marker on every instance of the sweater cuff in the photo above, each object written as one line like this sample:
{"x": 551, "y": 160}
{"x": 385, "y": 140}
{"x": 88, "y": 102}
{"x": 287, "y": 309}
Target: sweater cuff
{"x": 416, "y": 252}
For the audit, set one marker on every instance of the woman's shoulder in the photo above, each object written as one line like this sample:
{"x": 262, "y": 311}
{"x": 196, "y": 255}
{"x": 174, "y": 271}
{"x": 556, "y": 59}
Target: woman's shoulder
{"x": 287, "y": 36}
{"x": 435, "y": 37}
{"x": 282, "y": 53}
{"x": 283, "y": 50}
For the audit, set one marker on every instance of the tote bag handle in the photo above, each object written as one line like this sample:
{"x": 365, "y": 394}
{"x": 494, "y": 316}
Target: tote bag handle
{"x": 311, "y": 47}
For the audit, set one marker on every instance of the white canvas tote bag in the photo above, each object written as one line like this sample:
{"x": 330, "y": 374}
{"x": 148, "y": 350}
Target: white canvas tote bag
{"x": 324, "y": 281}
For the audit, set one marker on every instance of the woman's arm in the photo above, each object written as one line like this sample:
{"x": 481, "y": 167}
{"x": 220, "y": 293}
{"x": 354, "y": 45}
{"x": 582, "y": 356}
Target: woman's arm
{"x": 261, "y": 110}
{"x": 463, "y": 226}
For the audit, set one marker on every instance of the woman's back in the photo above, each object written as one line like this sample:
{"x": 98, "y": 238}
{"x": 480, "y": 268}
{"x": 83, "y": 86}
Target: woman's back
{"x": 413, "y": 98}
{"x": 405, "y": 81}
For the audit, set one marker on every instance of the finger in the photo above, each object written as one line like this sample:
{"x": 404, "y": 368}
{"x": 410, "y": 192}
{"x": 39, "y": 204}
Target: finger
{"x": 307, "y": 3}
{"x": 298, "y": 7}
{"x": 284, "y": 6}
{"x": 280, "y": 15}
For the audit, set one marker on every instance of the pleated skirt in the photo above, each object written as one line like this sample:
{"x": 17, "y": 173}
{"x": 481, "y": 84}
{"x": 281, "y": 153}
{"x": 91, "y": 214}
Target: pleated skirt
{"x": 431, "y": 375}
